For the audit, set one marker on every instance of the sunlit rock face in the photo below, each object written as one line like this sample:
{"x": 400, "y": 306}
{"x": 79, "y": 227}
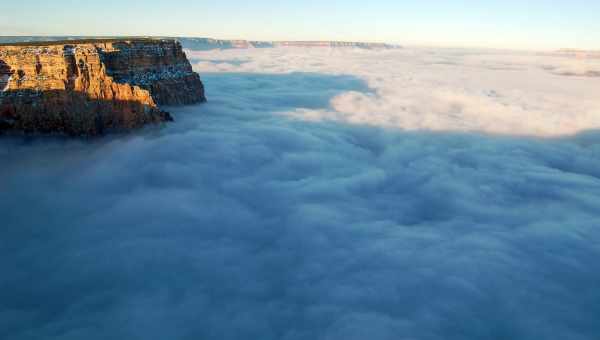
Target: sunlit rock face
{"x": 88, "y": 87}
{"x": 161, "y": 67}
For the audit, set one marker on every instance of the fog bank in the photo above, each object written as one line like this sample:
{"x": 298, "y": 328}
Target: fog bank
{"x": 302, "y": 202}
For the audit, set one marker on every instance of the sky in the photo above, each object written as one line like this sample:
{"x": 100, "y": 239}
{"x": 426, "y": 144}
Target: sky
{"x": 536, "y": 24}
{"x": 436, "y": 194}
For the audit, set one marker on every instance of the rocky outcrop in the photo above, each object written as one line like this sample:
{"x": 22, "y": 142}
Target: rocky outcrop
{"x": 89, "y": 87}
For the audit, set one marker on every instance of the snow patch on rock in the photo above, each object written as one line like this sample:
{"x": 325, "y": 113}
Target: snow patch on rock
{"x": 4, "y": 81}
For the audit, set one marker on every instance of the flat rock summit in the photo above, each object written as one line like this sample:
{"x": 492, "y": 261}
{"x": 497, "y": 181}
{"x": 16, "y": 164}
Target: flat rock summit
{"x": 88, "y": 87}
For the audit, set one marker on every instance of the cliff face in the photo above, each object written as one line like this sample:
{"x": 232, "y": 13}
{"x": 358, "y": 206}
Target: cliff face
{"x": 87, "y": 87}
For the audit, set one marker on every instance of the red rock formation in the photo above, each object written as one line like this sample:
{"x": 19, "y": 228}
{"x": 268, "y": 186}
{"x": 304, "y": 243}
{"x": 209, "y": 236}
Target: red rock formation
{"x": 87, "y": 87}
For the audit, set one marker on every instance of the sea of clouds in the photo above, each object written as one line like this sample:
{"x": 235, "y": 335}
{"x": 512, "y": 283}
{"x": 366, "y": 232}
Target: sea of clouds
{"x": 441, "y": 90}
{"x": 320, "y": 194}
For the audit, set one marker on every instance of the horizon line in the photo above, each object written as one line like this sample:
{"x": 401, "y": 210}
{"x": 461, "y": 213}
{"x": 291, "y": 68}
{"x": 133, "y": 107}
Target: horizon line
{"x": 413, "y": 44}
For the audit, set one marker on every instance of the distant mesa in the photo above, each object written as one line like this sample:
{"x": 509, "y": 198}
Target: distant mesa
{"x": 579, "y": 53}
{"x": 195, "y": 44}
{"x": 91, "y": 86}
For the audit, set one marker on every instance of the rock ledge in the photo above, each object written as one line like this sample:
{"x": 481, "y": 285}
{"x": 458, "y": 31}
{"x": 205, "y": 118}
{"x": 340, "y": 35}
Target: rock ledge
{"x": 88, "y": 87}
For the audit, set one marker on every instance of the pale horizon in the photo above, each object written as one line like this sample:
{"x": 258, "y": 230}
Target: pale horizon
{"x": 407, "y": 45}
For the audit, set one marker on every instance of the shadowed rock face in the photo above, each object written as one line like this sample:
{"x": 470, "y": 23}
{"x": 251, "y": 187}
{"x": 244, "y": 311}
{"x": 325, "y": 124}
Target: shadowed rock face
{"x": 74, "y": 113}
{"x": 87, "y": 87}
{"x": 5, "y": 74}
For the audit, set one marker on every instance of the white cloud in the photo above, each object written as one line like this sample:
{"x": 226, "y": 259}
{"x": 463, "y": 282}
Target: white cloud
{"x": 497, "y": 92}
{"x": 239, "y": 221}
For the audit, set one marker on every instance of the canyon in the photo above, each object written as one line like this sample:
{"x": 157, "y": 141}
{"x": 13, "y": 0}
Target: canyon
{"x": 92, "y": 86}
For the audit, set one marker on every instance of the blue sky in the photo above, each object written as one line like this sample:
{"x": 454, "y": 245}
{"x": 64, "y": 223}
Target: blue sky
{"x": 508, "y": 23}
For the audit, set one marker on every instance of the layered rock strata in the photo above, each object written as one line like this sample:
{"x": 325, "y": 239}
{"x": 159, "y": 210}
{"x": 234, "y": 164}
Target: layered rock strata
{"x": 92, "y": 86}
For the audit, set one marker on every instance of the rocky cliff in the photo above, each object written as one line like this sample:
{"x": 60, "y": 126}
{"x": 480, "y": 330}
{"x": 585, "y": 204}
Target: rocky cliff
{"x": 88, "y": 87}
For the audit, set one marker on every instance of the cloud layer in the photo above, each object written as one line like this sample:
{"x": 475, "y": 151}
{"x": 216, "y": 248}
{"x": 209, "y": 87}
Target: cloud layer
{"x": 499, "y": 92}
{"x": 242, "y": 221}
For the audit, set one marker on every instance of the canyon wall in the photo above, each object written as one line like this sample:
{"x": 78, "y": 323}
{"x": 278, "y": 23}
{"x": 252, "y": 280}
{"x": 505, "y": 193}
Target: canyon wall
{"x": 90, "y": 86}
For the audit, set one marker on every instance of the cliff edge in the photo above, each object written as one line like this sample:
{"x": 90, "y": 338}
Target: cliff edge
{"x": 87, "y": 87}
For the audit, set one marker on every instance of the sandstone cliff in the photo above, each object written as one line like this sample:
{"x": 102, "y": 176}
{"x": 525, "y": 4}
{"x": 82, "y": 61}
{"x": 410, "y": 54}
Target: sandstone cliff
{"x": 88, "y": 87}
